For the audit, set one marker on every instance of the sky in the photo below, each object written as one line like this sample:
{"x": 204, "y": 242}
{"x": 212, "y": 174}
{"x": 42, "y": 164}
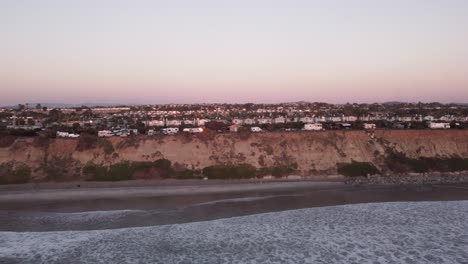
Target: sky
{"x": 262, "y": 51}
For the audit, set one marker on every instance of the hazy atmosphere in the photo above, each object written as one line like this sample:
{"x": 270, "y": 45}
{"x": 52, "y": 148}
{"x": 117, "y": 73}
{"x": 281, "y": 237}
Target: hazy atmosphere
{"x": 233, "y": 51}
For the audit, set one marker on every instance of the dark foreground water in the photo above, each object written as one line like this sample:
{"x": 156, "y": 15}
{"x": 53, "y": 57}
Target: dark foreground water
{"x": 245, "y": 227}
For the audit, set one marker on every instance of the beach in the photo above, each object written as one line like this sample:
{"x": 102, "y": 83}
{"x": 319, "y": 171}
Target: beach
{"x": 33, "y": 209}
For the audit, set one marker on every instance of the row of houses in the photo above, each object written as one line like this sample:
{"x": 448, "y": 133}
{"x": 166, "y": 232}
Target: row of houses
{"x": 335, "y": 119}
{"x": 176, "y": 122}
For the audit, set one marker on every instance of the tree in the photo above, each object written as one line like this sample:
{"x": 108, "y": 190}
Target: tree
{"x": 38, "y": 107}
{"x": 214, "y": 125}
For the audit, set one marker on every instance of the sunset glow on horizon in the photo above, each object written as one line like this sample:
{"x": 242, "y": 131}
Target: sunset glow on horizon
{"x": 233, "y": 51}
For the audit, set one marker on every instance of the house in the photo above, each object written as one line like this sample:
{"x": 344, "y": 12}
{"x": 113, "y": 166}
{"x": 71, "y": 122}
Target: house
{"x": 398, "y": 125}
{"x": 105, "y": 133}
{"x": 368, "y": 126}
{"x": 429, "y": 118}
{"x": 62, "y": 134}
{"x": 320, "y": 119}
{"x": 313, "y": 127}
{"x": 264, "y": 120}
{"x": 234, "y": 128}
{"x": 405, "y": 118}
{"x": 306, "y": 119}
{"x": 364, "y": 118}
{"x": 249, "y": 121}
{"x": 189, "y": 122}
{"x": 350, "y": 118}
{"x": 193, "y": 130}
{"x": 279, "y": 120}
{"x": 201, "y": 122}
{"x": 439, "y": 125}
{"x": 173, "y": 122}
{"x": 156, "y": 123}
{"x": 447, "y": 118}
{"x": 237, "y": 121}
{"x": 334, "y": 119}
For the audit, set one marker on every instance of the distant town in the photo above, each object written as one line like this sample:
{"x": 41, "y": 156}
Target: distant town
{"x": 107, "y": 121}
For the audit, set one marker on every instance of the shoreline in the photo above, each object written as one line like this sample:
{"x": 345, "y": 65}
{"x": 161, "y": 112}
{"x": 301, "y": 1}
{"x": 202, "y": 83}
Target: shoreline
{"x": 109, "y": 190}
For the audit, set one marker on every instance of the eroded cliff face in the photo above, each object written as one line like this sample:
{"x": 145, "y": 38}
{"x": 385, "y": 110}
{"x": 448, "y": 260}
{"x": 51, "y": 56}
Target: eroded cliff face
{"x": 314, "y": 154}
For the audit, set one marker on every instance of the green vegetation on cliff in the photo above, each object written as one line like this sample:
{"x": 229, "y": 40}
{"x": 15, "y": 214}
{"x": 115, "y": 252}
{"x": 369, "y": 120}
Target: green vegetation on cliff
{"x": 355, "y": 169}
{"x": 400, "y": 163}
{"x": 14, "y": 173}
{"x": 126, "y": 170}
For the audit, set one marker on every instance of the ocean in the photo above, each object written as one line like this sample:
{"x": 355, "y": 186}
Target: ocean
{"x": 388, "y": 232}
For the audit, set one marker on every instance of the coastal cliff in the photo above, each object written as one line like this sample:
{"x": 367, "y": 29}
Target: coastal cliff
{"x": 277, "y": 154}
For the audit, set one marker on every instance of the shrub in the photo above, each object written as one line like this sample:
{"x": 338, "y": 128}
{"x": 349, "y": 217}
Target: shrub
{"x": 164, "y": 167}
{"x": 278, "y": 171}
{"x": 398, "y": 162}
{"x": 41, "y": 142}
{"x": 12, "y": 173}
{"x": 185, "y": 174}
{"x": 86, "y": 142}
{"x": 355, "y": 169}
{"x": 57, "y": 167}
{"x": 106, "y": 145}
{"x": 6, "y": 140}
{"x": 126, "y": 170}
{"x": 120, "y": 171}
{"x": 95, "y": 172}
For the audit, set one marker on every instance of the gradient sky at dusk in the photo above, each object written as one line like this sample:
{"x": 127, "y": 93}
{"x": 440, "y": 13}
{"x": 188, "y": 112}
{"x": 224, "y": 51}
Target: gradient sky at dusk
{"x": 137, "y": 51}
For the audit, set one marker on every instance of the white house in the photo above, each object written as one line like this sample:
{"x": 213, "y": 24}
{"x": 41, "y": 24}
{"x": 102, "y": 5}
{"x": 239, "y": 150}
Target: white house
{"x": 189, "y": 122}
{"x": 333, "y": 119}
{"x": 447, "y": 118}
{"x": 306, "y": 119}
{"x": 320, "y": 119}
{"x": 201, "y": 122}
{"x": 405, "y": 119}
{"x": 105, "y": 133}
{"x": 173, "y": 122}
{"x": 249, "y": 121}
{"x": 350, "y": 118}
{"x": 279, "y": 120}
{"x": 429, "y": 118}
{"x": 264, "y": 120}
{"x": 439, "y": 125}
{"x": 313, "y": 127}
{"x": 370, "y": 126}
{"x": 62, "y": 134}
{"x": 153, "y": 123}
{"x": 234, "y": 128}
{"x": 237, "y": 121}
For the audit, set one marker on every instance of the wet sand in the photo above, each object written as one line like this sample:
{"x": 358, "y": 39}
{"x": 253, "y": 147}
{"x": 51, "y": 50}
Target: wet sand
{"x": 26, "y": 210}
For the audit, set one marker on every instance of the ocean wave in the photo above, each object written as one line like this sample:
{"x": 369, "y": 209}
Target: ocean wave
{"x": 242, "y": 199}
{"x": 407, "y": 232}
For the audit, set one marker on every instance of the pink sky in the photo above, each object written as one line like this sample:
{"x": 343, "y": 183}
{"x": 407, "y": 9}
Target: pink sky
{"x": 233, "y": 51}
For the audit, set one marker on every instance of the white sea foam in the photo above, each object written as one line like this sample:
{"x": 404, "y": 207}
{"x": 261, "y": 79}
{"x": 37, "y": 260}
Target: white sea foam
{"x": 241, "y": 200}
{"x": 422, "y": 232}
